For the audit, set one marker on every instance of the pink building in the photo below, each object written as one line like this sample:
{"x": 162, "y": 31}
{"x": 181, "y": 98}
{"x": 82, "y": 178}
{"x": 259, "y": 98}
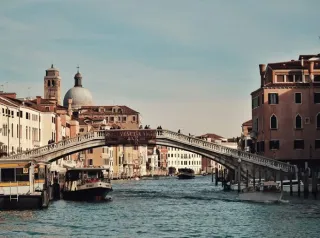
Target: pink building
{"x": 286, "y": 111}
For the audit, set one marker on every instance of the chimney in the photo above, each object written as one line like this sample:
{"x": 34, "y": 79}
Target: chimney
{"x": 38, "y": 100}
{"x": 69, "y": 106}
{"x": 311, "y": 65}
{"x": 262, "y": 69}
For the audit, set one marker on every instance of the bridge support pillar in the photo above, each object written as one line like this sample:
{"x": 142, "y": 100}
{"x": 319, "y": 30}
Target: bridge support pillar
{"x": 239, "y": 177}
{"x": 216, "y": 175}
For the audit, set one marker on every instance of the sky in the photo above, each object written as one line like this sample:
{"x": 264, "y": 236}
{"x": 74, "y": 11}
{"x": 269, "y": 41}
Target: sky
{"x": 183, "y": 64}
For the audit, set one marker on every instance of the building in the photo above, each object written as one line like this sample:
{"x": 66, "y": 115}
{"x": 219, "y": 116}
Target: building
{"x": 285, "y": 110}
{"x": 179, "y": 159}
{"x": 52, "y": 85}
{"x": 24, "y": 125}
{"x": 245, "y": 142}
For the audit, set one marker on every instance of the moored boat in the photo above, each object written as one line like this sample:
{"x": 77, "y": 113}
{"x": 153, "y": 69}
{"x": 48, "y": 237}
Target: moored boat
{"x": 265, "y": 192}
{"x": 186, "y": 173}
{"x": 23, "y": 186}
{"x": 86, "y": 184}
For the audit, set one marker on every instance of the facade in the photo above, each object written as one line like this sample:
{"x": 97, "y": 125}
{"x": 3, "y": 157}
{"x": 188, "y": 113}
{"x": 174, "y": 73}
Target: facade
{"x": 245, "y": 142}
{"x": 286, "y": 111}
{"x": 184, "y": 159}
{"x": 24, "y": 125}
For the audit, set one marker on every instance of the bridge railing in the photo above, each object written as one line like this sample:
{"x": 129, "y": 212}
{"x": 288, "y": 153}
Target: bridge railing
{"x": 220, "y": 149}
{"x": 43, "y": 150}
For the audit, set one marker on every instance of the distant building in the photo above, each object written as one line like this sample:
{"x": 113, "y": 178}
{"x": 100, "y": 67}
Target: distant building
{"x": 286, "y": 111}
{"x": 179, "y": 159}
{"x": 245, "y": 142}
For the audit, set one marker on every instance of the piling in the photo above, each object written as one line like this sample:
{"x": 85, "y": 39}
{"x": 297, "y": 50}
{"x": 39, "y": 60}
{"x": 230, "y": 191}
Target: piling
{"x": 216, "y": 176}
{"x": 281, "y": 180}
{"x": 306, "y": 183}
{"x": 291, "y": 175}
{"x": 299, "y": 179}
{"x": 222, "y": 177}
{"x": 247, "y": 180}
{"x": 314, "y": 183}
{"x": 254, "y": 177}
{"x": 239, "y": 177}
{"x": 259, "y": 175}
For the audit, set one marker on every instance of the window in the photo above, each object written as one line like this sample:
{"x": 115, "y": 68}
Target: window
{"x": 274, "y": 145}
{"x": 298, "y": 98}
{"x": 318, "y": 120}
{"x": 262, "y": 98}
{"x": 298, "y": 122}
{"x": 81, "y": 129}
{"x": 298, "y": 78}
{"x": 273, "y": 98}
{"x": 316, "y": 97}
{"x": 298, "y": 144}
{"x": 133, "y": 118}
{"x": 90, "y": 162}
{"x": 90, "y": 151}
{"x": 289, "y": 78}
{"x": 256, "y": 125}
{"x": 317, "y": 144}
{"x": 255, "y": 102}
{"x": 316, "y": 79}
{"x": 273, "y": 122}
{"x": 280, "y": 78}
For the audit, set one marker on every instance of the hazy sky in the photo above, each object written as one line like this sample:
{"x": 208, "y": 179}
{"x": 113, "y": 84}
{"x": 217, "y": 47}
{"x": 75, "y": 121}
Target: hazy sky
{"x": 184, "y": 64}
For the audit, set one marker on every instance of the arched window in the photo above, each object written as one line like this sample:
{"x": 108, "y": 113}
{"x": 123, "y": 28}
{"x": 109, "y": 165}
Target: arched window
{"x": 318, "y": 120}
{"x": 273, "y": 122}
{"x": 53, "y": 83}
{"x": 298, "y": 122}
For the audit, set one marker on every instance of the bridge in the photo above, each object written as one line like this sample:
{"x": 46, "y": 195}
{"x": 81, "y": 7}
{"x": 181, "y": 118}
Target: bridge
{"x": 230, "y": 158}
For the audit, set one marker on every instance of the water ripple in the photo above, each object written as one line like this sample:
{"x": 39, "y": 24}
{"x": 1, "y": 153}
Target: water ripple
{"x": 167, "y": 208}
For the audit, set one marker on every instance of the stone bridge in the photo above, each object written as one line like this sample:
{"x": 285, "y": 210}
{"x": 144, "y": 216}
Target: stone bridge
{"x": 231, "y": 158}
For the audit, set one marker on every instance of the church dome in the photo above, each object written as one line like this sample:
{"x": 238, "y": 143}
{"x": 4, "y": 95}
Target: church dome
{"x": 80, "y": 96}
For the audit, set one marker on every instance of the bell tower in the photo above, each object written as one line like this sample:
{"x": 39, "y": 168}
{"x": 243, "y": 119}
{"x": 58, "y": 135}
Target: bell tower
{"x": 52, "y": 85}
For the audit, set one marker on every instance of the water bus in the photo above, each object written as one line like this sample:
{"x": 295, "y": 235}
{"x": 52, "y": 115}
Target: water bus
{"x": 23, "y": 185}
{"x": 86, "y": 184}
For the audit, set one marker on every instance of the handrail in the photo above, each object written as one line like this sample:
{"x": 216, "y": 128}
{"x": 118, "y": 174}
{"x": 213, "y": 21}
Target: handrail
{"x": 160, "y": 134}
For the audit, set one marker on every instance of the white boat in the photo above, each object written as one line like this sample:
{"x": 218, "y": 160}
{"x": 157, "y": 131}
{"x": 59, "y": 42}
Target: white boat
{"x": 266, "y": 192}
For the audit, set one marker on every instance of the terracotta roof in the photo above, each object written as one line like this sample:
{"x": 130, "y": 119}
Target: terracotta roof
{"x": 27, "y": 104}
{"x": 108, "y": 110}
{"x": 247, "y": 123}
{"x": 212, "y": 136}
{"x": 295, "y": 64}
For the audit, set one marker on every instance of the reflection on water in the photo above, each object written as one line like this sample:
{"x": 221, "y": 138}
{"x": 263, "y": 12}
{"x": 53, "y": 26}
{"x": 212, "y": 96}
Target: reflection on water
{"x": 167, "y": 208}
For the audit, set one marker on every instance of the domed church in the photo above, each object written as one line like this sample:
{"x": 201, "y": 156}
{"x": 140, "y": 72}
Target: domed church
{"x": 80, "y": 96}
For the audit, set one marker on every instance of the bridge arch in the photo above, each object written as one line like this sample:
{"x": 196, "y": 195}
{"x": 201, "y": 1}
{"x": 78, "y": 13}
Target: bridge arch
{"x": 221, "y": 154}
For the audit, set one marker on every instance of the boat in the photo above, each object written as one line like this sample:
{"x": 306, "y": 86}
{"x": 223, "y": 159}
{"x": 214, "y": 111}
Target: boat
{"x": 186, "y": 173}
{"x": 86, "y": 184}
{"x": 265, "y": 192}
{"x": 24, "y": 186}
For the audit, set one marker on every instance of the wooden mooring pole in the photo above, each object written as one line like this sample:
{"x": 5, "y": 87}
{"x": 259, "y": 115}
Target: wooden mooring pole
{"x": 254, "y": 177}
{"x": 314, "y": 183}
{"x": 299, "y": 179}
{"x": 239, "y": 177}
{"x": 291, "y": 175}
{"x": 306, "y": 183}
{"x": 216, "y": 176}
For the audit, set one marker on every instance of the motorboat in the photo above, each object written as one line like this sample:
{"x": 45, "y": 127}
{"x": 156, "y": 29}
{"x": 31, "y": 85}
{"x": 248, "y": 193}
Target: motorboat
{"x": 86, "y": 184}
{"x": 186, "y": 173}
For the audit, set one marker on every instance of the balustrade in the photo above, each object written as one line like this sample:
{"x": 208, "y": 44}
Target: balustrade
{"x": 161, "y": 134}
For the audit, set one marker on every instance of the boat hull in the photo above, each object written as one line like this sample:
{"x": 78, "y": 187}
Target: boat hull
{"x": 90, "y": 194}
{"x": 260, "y": 197}
{"x": 186, "y": 176}
{"x": 24, "y": 202}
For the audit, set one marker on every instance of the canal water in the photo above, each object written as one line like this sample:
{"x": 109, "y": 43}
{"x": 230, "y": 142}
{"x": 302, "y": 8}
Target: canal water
{"x": 167, "y": 207}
